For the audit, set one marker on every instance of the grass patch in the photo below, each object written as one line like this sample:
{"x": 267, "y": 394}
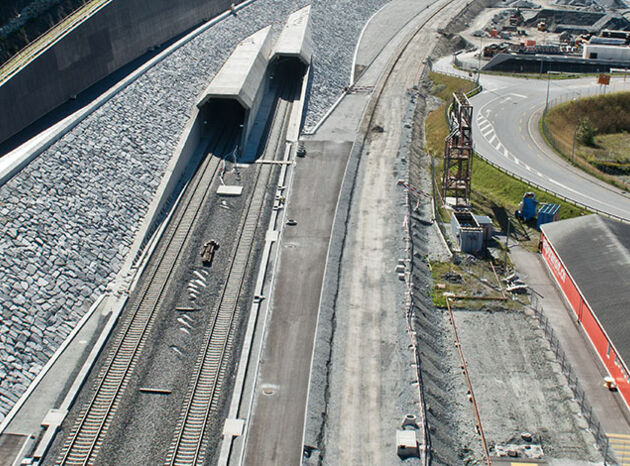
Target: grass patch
{"x": 610, "y": 117}
{"x": 492, "y": 188}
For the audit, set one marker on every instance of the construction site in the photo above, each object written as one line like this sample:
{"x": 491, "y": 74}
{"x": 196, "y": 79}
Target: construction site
{"x": 313, "y": 233}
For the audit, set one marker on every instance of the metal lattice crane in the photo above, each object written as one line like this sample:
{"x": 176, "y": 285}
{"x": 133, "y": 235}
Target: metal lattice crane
{"x": 458, "y": 152}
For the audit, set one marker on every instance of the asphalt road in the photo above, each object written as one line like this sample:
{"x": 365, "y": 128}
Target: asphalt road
{"x": 505, "y": 131}
{"x": 274, "y": 436}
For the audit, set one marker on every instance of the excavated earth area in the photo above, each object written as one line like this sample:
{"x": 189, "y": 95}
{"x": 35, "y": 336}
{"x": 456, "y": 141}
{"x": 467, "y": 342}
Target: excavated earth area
{"x": 452, "y": 435}
{"x": 68, "y": 219}
{"x": 519, "y": 384}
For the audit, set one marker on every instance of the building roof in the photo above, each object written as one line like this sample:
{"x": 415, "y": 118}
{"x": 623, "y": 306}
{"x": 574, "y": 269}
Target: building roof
{"x": 596, "y": 253}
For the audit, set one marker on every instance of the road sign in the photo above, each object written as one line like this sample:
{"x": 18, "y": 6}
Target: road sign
{"x": 603, "y": 79}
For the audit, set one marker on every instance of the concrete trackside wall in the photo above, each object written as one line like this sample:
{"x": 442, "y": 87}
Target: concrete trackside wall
{"x": 119, "y": 33}
{"x": 185, "y": 158}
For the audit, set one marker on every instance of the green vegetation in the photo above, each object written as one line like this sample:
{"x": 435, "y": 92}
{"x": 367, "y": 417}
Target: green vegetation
{"x": 494, "y": 193}
{"x": 492, "y": 188}
{"x": 591, "y": 132}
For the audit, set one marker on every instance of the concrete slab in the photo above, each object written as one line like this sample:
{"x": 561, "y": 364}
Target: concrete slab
{"x": 296, "y": 39}
{"x": 54, "y": 417}
{"x": 275, "y": 431}
{"x": 233, "y": 427}
{"x": 229, "y": 190}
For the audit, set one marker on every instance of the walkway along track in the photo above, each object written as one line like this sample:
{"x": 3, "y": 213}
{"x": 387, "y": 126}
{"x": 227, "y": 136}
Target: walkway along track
{"x": 86, "y": 437}
{"x": 190, "y": 440}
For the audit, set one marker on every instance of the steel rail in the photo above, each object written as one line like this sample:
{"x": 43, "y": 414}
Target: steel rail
{"x": 85, "y": 439}
{"x": 190, "y": 441}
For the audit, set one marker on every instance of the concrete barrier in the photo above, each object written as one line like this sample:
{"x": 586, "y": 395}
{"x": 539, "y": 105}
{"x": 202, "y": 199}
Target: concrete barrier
{"x": 117, "y": 34}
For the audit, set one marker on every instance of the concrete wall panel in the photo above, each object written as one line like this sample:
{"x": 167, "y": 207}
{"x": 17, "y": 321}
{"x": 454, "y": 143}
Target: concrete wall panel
{"x": 116, "y": 35}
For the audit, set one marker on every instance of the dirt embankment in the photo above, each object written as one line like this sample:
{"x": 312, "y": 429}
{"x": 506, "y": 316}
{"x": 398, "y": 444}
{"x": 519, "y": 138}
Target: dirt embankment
{"x": 593, "y": 133}
{"x": 450, "y": 418}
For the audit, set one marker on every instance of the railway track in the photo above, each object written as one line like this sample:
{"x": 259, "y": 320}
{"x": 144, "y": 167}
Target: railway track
{"x": 190, "y": 440}
{"x": 84, "y": 441}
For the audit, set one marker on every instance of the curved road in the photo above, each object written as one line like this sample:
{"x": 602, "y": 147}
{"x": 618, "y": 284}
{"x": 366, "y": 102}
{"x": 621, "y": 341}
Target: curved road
{"x": 505, "y": 131}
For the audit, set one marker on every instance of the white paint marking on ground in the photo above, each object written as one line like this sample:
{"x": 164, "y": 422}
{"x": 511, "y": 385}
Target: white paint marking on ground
{"x": 485, "y": 125}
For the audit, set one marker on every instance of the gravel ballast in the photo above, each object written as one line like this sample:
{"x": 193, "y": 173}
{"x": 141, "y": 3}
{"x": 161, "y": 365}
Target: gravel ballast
{"x": 68, "y": 219}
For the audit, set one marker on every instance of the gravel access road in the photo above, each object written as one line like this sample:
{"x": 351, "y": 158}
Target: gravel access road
{"x": 372, "y": 380}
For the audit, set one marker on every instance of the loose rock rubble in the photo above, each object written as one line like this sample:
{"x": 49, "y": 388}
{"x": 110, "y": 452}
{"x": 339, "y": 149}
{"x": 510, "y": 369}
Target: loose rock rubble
{"x": 68, "y": 219}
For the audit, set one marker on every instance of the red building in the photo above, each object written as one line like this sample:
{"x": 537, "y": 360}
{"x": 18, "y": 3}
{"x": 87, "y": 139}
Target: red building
{"x": 589, "y": 257}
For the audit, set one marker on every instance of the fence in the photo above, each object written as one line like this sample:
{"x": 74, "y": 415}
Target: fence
{"x": 567, "y": 369}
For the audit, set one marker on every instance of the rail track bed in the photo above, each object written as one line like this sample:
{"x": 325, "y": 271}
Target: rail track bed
{"x": 131, "y": 356}
{"x": 85, "y": 439}
{"x": 190, "y": 442}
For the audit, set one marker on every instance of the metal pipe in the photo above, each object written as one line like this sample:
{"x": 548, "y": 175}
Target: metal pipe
{"x": 468, "y": 382}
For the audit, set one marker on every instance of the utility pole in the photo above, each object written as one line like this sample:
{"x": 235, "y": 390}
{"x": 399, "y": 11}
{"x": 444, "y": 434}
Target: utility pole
{"x": 507, "y": 245}
{"x": 479, "y": 61}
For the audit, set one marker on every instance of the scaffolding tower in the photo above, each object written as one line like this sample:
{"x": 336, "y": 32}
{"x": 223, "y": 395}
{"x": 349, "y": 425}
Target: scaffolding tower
{"x": 458, "y": 152}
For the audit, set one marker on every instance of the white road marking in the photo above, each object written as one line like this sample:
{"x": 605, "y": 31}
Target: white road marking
{"x": 485, "y": 133}
{"x": 491, "y": 140}
{"x": 506, "y": 154}
{"x": 519, "y": 95}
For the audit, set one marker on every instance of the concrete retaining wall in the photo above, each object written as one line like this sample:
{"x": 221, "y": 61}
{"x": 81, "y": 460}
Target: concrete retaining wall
{"x": 116, "y": 35}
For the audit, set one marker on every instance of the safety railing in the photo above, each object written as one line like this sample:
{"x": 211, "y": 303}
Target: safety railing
{"x": 536, "y": 304}
{"x": 552, "y": 192}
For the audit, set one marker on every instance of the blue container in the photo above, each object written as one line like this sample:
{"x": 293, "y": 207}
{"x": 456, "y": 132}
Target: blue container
{"x": 547, "y": 213}
{"x": 528, "y": 206}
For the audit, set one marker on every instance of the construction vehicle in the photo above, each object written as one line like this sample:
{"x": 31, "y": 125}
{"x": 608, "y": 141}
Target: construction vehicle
{"x": 207, "y": 254}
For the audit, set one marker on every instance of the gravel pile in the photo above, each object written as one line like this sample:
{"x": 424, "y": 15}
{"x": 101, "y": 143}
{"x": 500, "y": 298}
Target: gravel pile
{"x": 68, "y": 219}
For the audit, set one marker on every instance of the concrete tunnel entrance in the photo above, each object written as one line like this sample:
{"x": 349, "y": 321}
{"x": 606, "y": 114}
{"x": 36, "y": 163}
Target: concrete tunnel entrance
{"x": 223, "y": 117}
